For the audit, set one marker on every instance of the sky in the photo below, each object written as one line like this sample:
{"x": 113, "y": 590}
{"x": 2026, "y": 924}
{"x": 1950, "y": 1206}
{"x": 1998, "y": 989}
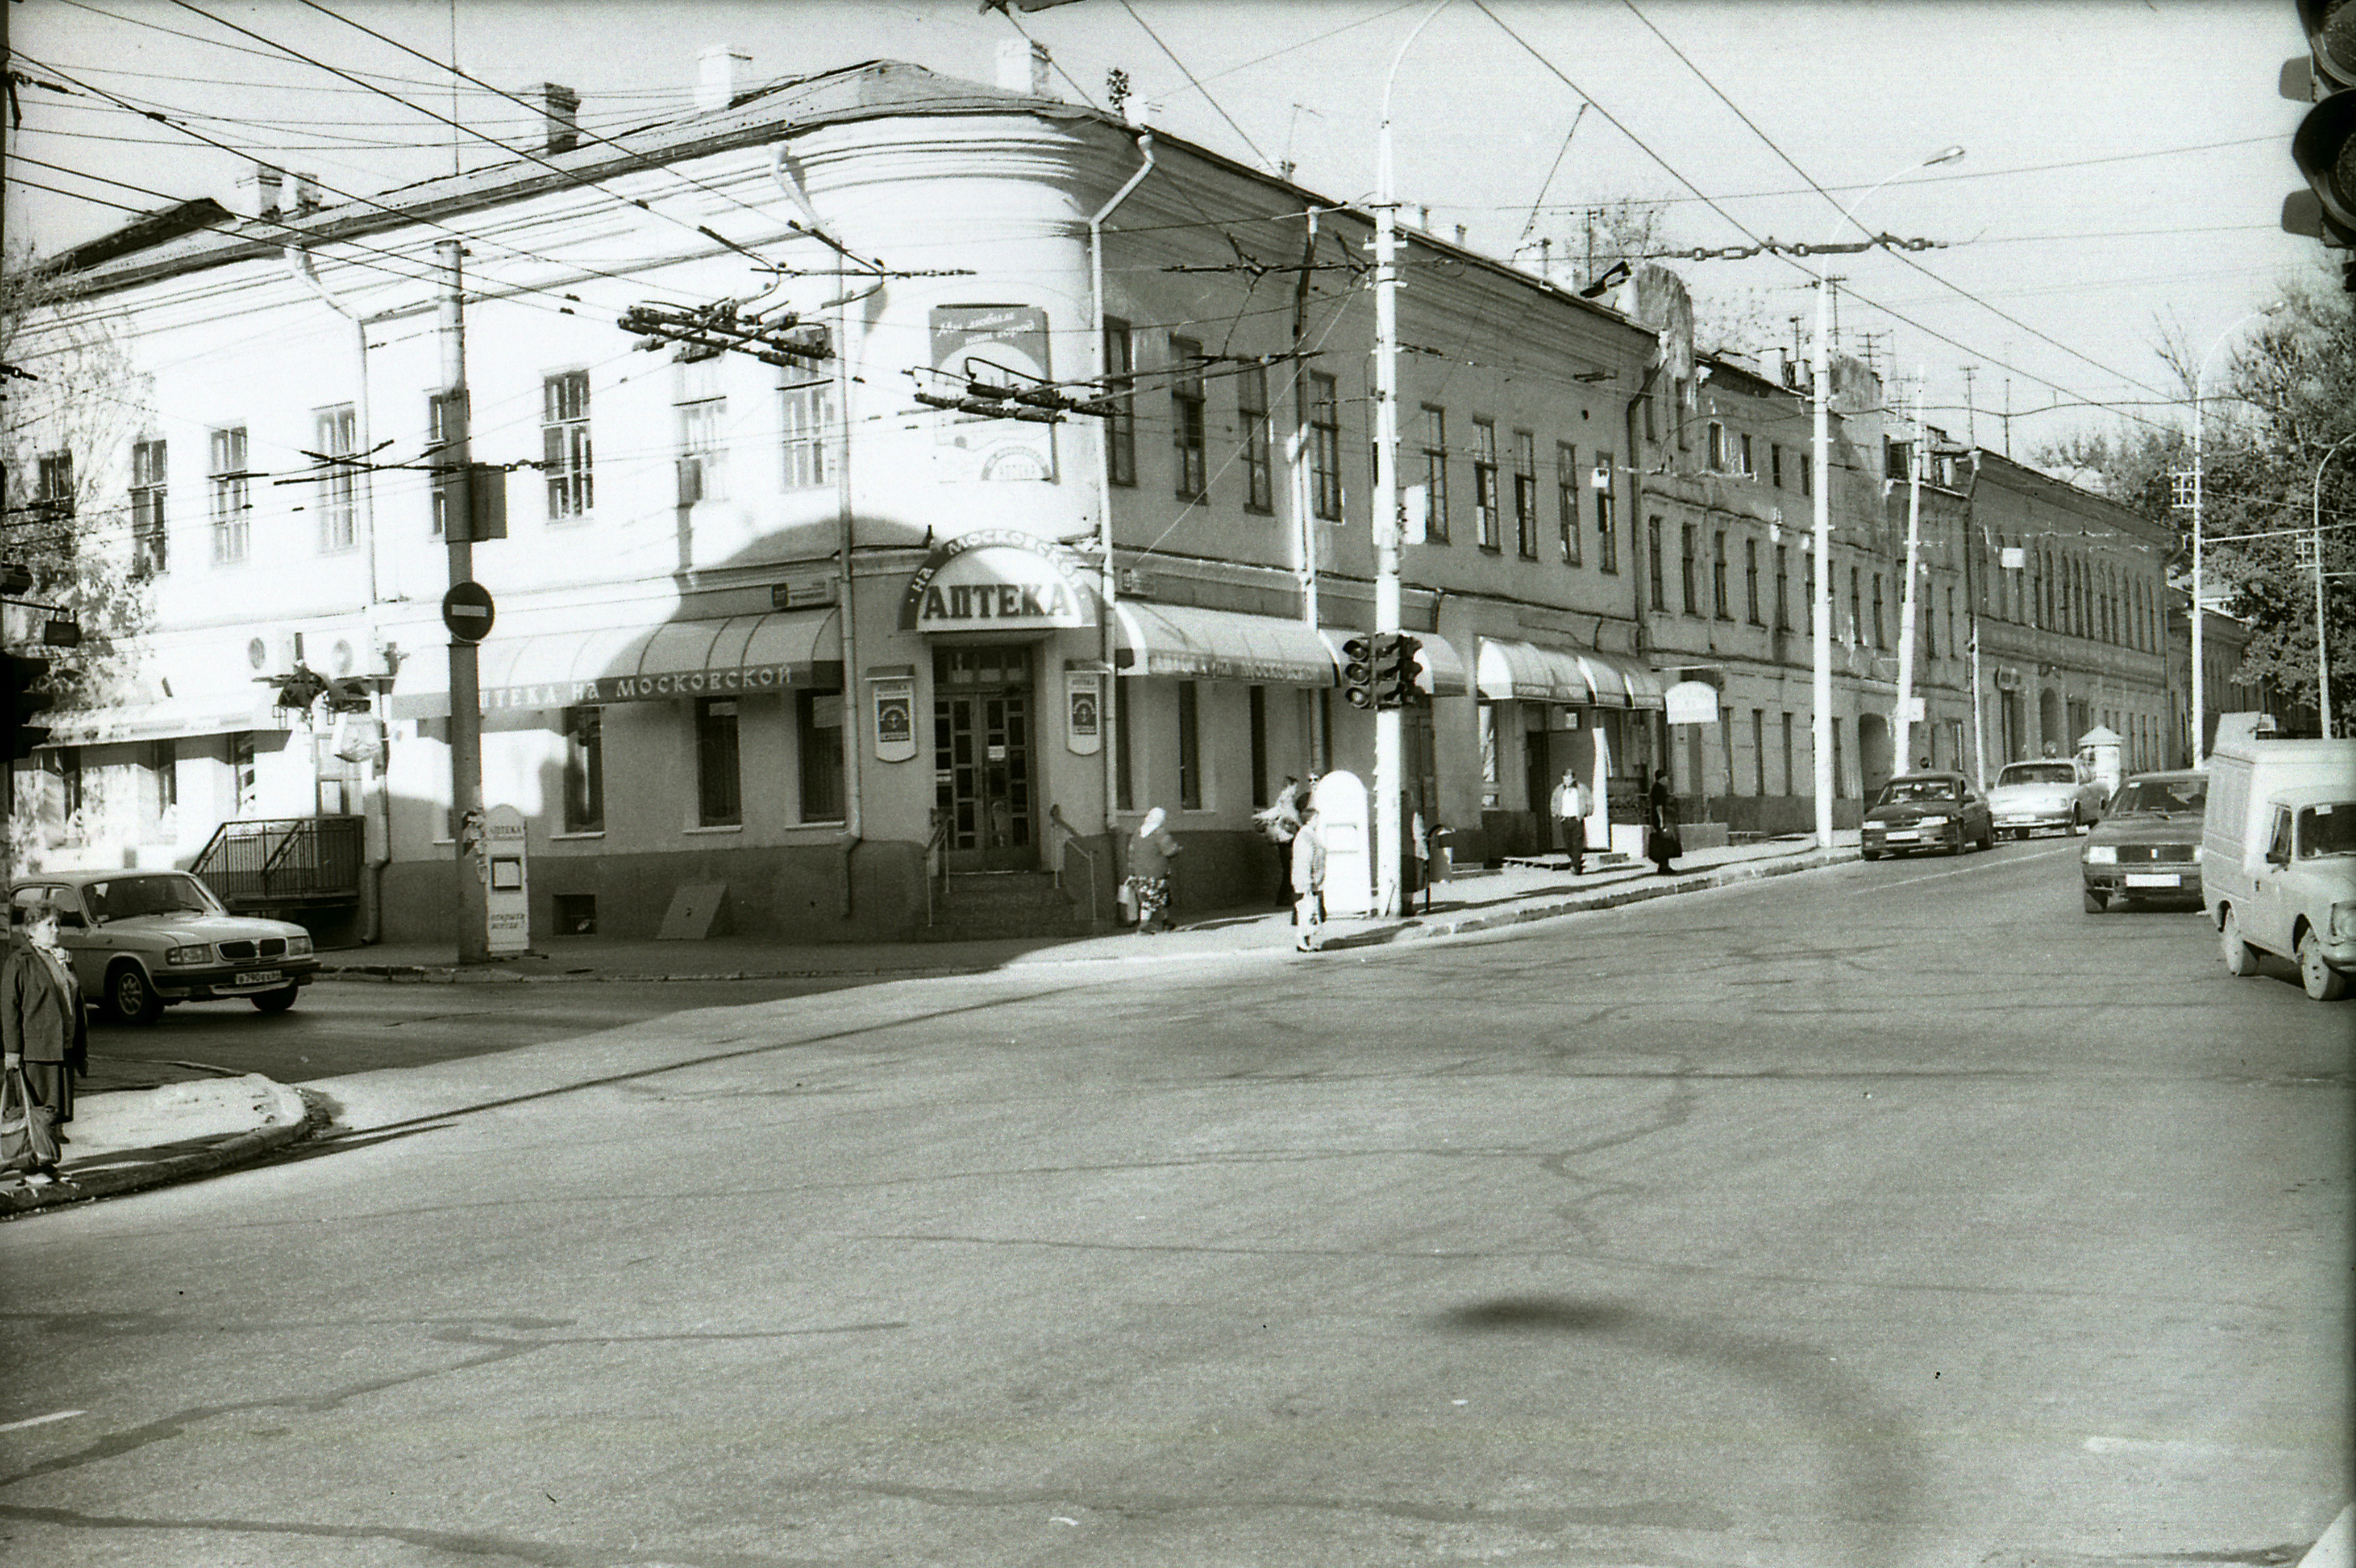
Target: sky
{"x": 2123, "y": 165}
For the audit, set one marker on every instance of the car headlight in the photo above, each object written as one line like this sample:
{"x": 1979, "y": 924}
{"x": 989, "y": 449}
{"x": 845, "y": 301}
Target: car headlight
{"x": 2195, "y": 855}
{"x": 2343, "y": 922}
{"x": 297, "y": 946}
{"x": 1933, "y": 823}
{"x": 2101, "y": 854}
{"x": 200, "y": 953}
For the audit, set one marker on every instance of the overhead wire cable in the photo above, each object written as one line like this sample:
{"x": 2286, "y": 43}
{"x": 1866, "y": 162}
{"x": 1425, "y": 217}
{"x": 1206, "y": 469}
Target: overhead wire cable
{"x": 1198, "y": 87}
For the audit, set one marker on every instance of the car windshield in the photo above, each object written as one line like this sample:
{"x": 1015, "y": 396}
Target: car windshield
{"x": 2037, "y": 773}
{"x": 1917, "y": 789}
{"x": 2327, "y": 830}
{"x": 2160, "y": 798}
{"x": 126, "y": 897}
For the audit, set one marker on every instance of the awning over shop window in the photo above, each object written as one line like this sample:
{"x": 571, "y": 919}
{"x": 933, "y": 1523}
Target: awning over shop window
{"x": 1514, "y": 670}
{"x": 727, "y": 655}
{"x": 1444, "y": 670}
{"x": 160, "y": 720}
{"x": 1189, "y": 641}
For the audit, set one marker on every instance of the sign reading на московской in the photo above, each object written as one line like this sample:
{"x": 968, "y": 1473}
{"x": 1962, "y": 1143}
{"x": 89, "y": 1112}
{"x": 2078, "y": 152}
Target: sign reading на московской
{"x": 743, "y": 680}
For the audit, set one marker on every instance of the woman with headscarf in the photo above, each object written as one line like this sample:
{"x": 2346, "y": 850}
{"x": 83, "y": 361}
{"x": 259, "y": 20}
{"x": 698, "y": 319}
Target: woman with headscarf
{"x": 1148, "y": 871}
{"x": 43, "y": 1034}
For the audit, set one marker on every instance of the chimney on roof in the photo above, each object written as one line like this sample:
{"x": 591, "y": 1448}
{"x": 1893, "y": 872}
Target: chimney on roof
{"x": 304, "y": 195}
{"x": 258, "y": 191}
{"x": 722, "y": 70}
{"x": 559, "y": 107}
{"x": 1022, "y": 68}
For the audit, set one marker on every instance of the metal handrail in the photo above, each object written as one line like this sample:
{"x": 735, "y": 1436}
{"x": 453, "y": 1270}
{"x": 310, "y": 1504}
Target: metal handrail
{"x": 935, "y": 862}
{"x": 1071, "y": 841}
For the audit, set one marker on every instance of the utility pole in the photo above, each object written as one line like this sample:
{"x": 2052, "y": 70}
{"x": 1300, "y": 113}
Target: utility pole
{"x": 1902, "y": 722}
{"x": 465, "y": 694}
{"x": 1971, "y": 415}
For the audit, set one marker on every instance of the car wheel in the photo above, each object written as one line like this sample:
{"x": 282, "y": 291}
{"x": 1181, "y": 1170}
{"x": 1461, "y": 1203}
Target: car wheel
{"x": 1869, "y": 854}
{"x": 2240, "y": 958}
{"x": 129, "y": 998}
{"x": 2323, "y": 983}
{"x": 276, "y": 1000}
{"x": 2095, "y": 902}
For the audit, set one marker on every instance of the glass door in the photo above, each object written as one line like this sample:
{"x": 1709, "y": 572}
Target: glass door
{"x": 983, "y": 785}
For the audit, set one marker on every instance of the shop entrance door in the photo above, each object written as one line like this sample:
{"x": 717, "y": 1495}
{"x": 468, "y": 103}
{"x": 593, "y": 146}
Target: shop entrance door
{"x": 983, "y": 784}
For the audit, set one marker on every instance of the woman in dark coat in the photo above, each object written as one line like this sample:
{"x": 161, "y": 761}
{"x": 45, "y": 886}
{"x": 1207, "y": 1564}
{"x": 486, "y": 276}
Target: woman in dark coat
{"x": 42, "y": 1027}
{"x": 1661, "y": 844}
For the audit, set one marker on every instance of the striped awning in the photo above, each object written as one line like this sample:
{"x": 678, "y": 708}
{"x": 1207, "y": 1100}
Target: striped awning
{"x": 1510, "y": 669}
{"x": 1191, "y": 642}
{"x": 724, "y": 656}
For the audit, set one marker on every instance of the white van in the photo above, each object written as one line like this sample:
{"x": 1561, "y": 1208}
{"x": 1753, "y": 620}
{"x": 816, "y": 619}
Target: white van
{"x": 2278, "y": 857}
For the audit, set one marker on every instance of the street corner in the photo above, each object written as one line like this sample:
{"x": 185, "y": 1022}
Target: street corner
{"x": 136, "y": 1139}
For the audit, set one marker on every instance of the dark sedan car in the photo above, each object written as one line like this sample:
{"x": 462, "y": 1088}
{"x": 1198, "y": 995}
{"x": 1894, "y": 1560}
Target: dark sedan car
{"x": 2148, "y": 844}
{"x": 1927, "y": 811}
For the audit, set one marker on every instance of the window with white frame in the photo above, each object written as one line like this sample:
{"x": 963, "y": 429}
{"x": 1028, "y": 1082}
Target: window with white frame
{"x": 227, "y": 496}
{"x": 1488, "y": 527}
{"x": 151, "y": 545}
{"x": 1526, "y": 495}
{"x": 1435, "y": 473}
{"x": 1186, "y": 398}
{"x": 702, "y": 407}
{"x": 336, "y": 432}
{"x": 1324, "y": 400}
{"x": 1566, "y": 499}
{"x": 807, "y": 411}
{"x": 565, "y": 446}
{"x": 1258, "y": 454}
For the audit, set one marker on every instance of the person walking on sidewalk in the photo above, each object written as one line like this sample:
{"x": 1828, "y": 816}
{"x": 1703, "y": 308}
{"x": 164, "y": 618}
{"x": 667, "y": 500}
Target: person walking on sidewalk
{"x": 1309, "y": 878}
{"x": 1148, "y": 871}
{"x": 1280, "y": 821}
{"x": 44, "y": 1038}
{"x": 1571, "y": 810}
{"x": 1660, "y": 843}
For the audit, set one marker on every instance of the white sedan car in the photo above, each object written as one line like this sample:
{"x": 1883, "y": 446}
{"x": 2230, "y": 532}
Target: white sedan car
{"x": 2055, "y": 792}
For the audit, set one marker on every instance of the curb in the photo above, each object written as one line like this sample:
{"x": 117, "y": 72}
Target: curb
{"x": 297, "y": 1116}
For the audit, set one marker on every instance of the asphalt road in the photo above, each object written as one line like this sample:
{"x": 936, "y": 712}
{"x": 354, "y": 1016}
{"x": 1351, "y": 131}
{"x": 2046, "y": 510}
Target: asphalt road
{"x": 1893, "y": 1215}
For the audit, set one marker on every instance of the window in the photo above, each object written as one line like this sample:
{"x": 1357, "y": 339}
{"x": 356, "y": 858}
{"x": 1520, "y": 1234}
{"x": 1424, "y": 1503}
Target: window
{"x": 1124, "y": 692}
{"x": 164, "y": 769}
{"x": 1776, "y": 463}
{"x": 1189, "y": 750}
{"x": 1487, "y": 526}
{"x": 1896, "y": 457}
{"x": 1879, "y": 640}
{"x": 1953, "y": 648}
{"x": 244, "y": 780}
{"x": 1758, "y": 751}
{"x": 818, "y": 737}
{"x": 1186, "y": 416}
{"x": 1689, "y": 565}
{"x": 446, "y": 427}
{"x": 1750, "y": 468}
{"x": 565, "y": 446}
{"x": 72, "y": 791}
{"x": 338, "y": 434}
{"x": 809, "y": 412}
{"x": 1435, "y": 474}
{"x": 703, "y": 450}
{"x": 1653, "y": 560}
{"x": 1121, "y": 382}
{"x": 1526, "y": 494}
{"x": 1930, "y": 631}
{"x": 1260, "y": 466}
{"x": 1839, "y": 771}
{"x": 1721, "y": 604}
{"x": 1751, "y": 579}
{"x": 1782, "y": 588}
{"x": 53, "y": 482}
{"x": 151, "y": 547}
{"x": 1808, "y": 575}
{"x": 1566, "y": 499}
{"x": 1715, "y": 450}
{"x": 1257, "y": 697}
{"x": 585, "y": 770}
{"x": 1650, "y": 399}
{"x": 719, "y": 795}
{"x": 1325, "y": 446}
{"x": 1607, "y": 531}
{"x": 1807, "y": 477}
{"x": 1789, "y": 786}
{"x": 1856, "y": 607}
{"x": 225, "y": 486}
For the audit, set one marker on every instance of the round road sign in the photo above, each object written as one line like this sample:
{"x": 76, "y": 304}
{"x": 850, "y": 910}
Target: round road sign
{"x": 466, "y": 610}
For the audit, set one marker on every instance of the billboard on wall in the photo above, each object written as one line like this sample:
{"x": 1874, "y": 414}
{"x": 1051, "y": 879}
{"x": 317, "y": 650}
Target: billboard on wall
{"x": 980, "y": 342}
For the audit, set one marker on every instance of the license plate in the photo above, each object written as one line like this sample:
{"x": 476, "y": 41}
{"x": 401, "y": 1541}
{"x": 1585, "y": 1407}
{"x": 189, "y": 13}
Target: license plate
{"x": 1905, "y": 835}
{"x": 261, "y": 977}
{"x": 2154, "y": 879}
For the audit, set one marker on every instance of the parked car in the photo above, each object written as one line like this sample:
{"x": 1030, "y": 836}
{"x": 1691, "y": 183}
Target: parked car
{"x": 2278, "y": 857}
{"x": 1926, "y": 810}
{"x": 2148, "y": 844}
{"x": 2057, "y": 792}
{"x": 141, "y": 941}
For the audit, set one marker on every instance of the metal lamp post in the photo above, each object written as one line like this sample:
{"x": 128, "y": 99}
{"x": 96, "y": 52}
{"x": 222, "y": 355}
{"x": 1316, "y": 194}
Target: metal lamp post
{"x": 2322, "y": 655}
{"x": 2200, "y": 407}
{"x": 1820, "y": 370}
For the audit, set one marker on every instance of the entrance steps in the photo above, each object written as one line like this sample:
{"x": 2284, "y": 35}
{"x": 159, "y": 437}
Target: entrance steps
{"x": 974, "y": 905}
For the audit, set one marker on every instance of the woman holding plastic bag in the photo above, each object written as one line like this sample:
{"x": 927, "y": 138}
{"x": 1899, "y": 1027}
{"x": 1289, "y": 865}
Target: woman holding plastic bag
{"x": 46, "y": 1040}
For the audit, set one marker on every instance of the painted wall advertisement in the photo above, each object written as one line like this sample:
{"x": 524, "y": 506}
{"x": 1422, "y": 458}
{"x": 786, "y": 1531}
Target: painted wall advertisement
{"x": 1084, "y": 712}
{"x": 891, "y": 697}
{"x": 998, "y": 344}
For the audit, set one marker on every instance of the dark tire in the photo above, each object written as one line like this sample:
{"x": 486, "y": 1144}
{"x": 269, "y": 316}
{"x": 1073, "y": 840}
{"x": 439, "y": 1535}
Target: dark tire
{"x": 2323, "y": 983}
{"x": 276, "y": 1000}
{"x": 2095, "y": 902}
{"x": 129, "y": 998}
{"x": 2078, "y": 824}
{"x": 2240, "y": 958}
{"x": 1869, "y": 854}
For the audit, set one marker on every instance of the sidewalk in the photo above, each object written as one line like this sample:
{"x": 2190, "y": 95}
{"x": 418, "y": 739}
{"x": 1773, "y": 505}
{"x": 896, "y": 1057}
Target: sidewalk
{"x": 130, "y": 1130}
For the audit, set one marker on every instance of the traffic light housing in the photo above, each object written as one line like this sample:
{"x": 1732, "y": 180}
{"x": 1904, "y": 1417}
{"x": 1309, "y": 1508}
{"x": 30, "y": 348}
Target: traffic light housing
{"x": 26, "y": 700}
{"x": 1359, "y": 671}
{"x": 1399, "y": 670}
{"x": 2324, "y": 146}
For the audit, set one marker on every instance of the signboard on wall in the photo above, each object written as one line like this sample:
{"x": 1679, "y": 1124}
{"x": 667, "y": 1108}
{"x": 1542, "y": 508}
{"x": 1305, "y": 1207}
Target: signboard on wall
{"x": 1084, "y": 712}
{"x": 1692, "y": 702}
{"x": 891, "y": 699}
{"x": 997, "y": 579}
{"x": 998, "y": 344}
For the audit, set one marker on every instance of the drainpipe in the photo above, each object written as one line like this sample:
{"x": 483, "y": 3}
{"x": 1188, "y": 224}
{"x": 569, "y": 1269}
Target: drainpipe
{"x": 298, "y": 262}
{"x": 1108, "y": 634}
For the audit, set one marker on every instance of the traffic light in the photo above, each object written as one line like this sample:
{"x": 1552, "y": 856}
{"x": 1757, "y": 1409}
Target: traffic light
{"x": 26, "y": 700}
{"x": 2324, "y": 146}
{"x": 1359, "y": 671}
{"x": 1399, "y": 670}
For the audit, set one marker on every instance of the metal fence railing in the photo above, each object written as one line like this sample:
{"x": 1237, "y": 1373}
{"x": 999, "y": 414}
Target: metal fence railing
{"x": 283, "y": 861}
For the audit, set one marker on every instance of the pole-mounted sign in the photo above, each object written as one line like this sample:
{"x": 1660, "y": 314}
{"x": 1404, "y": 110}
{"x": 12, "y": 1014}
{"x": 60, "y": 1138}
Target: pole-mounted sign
{"x": 467, "y": 611}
